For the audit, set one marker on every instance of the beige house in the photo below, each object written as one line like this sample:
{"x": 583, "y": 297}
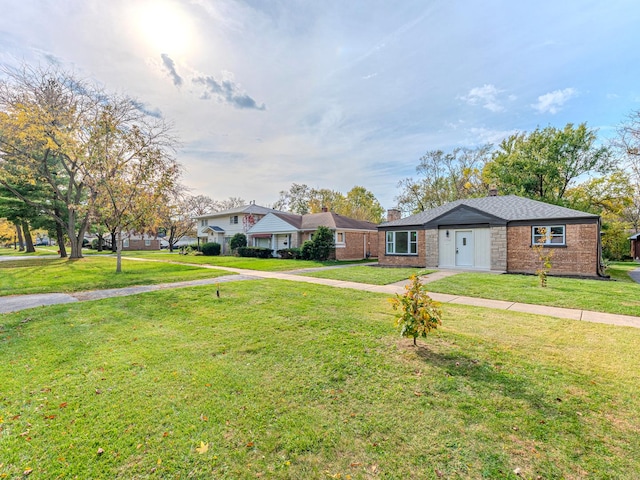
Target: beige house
{"x": 494, "y": 233}
{"x": 354, "y": 239}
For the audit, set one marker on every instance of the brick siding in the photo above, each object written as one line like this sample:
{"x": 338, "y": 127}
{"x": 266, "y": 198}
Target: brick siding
{"x": 354, "y": 245}
{"x": 579, "y": 257}
{"x": 402, "y": 260}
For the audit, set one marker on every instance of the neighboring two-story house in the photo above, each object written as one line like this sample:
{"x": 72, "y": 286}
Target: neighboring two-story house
{"x": 219, "y": 227}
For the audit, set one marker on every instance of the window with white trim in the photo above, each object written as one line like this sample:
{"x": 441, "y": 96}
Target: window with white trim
{"x": 204, "y": 222}
{"x": 147, "y": 242}
{"x": 402, "y": 243}
{"x": 125, "y": 243}
{"x": 339, "y": 238}
{"x": 548, "y": 235}
{"x": 233, "y": 219}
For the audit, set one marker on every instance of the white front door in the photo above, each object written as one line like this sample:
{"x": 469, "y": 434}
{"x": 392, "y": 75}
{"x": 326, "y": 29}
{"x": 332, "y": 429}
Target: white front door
{"x": 464, "y": 248}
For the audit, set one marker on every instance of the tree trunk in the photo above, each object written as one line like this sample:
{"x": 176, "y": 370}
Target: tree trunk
{"x": 114, "y": 242}
{"x": 27, "y": 237}
{"x": 119, "y": 253}
{"x": 20, "y": 239}
{"x": 74, "y": 238}
{"x": 62, "y": 249}
{"x": 100, "y": 242}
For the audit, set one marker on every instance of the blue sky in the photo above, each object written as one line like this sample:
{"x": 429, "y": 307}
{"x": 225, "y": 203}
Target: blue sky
{"x": 334, "y": 94}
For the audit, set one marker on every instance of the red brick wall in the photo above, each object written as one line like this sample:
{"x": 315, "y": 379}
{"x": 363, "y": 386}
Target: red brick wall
{"x": 140, "y": 245}
{"x": 579, "y": 257}
{"x": 354, "y": 246}
{"x": 419, "y": 260}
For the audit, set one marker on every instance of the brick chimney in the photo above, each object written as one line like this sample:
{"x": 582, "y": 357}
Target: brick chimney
{"x": 325, "y": 209}
{"x": 393, "y": 214}
{"x": 493, "y": 190}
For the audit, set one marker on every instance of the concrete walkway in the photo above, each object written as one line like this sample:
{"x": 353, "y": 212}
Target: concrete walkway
{"x": 20, "y": 302}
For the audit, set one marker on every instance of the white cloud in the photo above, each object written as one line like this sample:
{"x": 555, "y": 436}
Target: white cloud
{"x": 487, "y": 96}
{"x": 552, "y": 101}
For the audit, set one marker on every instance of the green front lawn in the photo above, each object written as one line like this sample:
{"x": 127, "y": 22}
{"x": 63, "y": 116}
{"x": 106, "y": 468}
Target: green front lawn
{"x": 288, "y": 381}
{"x": 10, "y": 252}
{"x": 621, "y": 296}
{"x": 262, "y": 264}
{"x": 372, "y": 275}
{"x": 49, "y": 275}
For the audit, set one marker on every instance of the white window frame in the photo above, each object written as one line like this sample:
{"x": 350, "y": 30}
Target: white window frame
{"x": 125, "y": 243}
{"x": 391, "y": 242}
{"x": 340, "y": 238}
{"x": 233, "y": 220}
{"x": 204, "y": 222}
{"x": 147, "y": 242}
{"x": 552, "y": 236}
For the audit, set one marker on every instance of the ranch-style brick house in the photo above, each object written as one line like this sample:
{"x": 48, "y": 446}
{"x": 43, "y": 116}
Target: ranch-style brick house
{"x": 494, "y": 233}
{"x": 354, "y": 239}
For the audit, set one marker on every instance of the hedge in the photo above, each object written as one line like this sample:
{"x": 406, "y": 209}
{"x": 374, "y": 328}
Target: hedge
{"x": 258, "y": 252}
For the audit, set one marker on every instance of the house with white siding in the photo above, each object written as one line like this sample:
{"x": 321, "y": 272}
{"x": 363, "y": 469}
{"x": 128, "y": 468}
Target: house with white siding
{"x": 354, "y": 239}
{"x": 220, "y": 227}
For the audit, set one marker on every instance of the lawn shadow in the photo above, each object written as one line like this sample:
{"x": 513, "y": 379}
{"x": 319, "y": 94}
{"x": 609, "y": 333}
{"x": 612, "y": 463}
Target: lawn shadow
{"x": 543, "y": 391}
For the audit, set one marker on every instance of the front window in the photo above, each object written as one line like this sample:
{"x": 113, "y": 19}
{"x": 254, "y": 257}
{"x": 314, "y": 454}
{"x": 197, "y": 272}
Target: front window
{"x": 548, "y": 235}
{"x": 402, "y": 243}
{"x": 339, "y": 237}
{"x": 204, "y": 222}
{"x": 147, "y": 243}
{"x": 233, "y": 219}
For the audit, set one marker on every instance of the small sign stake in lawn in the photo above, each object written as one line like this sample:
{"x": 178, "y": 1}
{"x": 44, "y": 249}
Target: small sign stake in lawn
{"x": 419, "y": 313}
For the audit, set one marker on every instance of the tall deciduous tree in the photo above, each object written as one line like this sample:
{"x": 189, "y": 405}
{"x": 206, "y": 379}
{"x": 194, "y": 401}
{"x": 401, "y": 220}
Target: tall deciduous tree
{"x": 546, "y": 162}
{"x": 79, "y": 144}
{"x": 444, "y": 177}
{"x": 133, "y": 168}
{"x": 628, "y": 144}
{"x": 358, "y": 203}
{"x": 47, "y": 128}
{"x": 7, "y": 231}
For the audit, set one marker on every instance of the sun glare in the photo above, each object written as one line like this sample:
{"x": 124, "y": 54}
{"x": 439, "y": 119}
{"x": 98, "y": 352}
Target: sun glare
{"x": 164, "y": 27}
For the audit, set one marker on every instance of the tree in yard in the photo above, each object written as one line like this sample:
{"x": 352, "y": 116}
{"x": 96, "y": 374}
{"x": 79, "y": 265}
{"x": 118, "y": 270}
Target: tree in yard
{"x": 47, "y": 138}
{"x": 134, "y": 168}
{"x": 444, "y": 177}
{"x": 418, "y": 312}
{"x": 95, "y": 157}
{"x": 321, "y": 245}
{"x": 544, "y": 254}
{"x": 362, "y": 204}
{"x": 7, "y": 231}
{"x": 545, "y": 163}
{"x": 295, "y": 200}
{"x": 628, "y": 145}
{"x": 359, "y": 203}
{"x": 178, "y": 211}
{"x": 239, "y": 240}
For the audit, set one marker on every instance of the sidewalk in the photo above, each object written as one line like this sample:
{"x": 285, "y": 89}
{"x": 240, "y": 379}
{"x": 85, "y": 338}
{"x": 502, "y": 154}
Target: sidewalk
{"x": 20, "y": 302}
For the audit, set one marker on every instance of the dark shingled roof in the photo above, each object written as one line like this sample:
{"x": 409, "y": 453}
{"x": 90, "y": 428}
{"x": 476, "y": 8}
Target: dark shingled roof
{"x": 508, "y": 208}
{"x": 312, "y": 221}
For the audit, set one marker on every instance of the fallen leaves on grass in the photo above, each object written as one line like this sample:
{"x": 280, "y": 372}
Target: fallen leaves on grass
{"x": 203, "y": 448}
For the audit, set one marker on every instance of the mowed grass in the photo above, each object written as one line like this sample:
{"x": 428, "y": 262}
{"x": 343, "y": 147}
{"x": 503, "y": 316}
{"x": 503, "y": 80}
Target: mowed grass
{"x": 372, "y": 275}
{"x": 10, "y": 252}
{"x": 279, "y": 380}
{"x": 620, "y": 296}
{"x": 261, "y": 264}
{"x": 47, "y": 275}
